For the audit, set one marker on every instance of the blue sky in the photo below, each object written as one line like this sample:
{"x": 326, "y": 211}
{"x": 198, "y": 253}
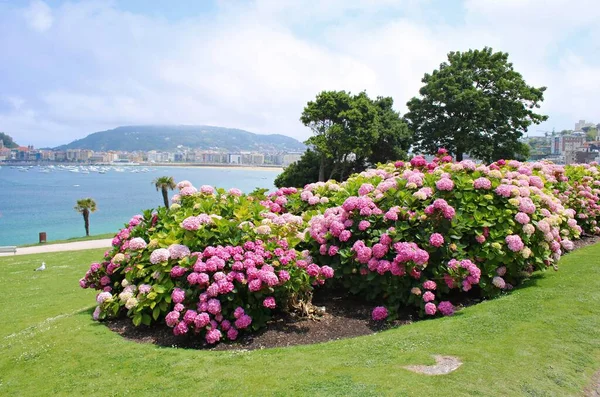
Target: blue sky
{"x": 70, "y": 68}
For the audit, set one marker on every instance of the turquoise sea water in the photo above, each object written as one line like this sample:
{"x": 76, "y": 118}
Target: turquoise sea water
{"x": 34, "y": 201}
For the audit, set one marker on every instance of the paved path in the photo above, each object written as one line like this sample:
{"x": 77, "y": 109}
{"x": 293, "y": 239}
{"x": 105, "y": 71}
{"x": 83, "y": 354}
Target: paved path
{"x": 80, "y": 245}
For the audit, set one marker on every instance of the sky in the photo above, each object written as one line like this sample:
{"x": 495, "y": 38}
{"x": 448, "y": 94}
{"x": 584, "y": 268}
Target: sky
{"x": 70, "y": 68}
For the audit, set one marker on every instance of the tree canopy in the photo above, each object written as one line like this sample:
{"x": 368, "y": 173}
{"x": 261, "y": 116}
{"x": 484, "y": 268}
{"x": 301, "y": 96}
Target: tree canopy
{"x": 350, "y": 132}
{"x": 8, "y": 141}
{"x": 475, "y": 103}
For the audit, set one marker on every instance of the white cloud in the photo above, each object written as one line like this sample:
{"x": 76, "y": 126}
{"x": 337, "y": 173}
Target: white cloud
{"x": 38, "y": 16}
{"x": 255, "y": 66}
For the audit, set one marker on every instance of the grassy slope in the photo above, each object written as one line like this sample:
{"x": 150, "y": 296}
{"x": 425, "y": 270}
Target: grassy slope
{"x": 540, "y": 340}
{"x": 72, "y": 240}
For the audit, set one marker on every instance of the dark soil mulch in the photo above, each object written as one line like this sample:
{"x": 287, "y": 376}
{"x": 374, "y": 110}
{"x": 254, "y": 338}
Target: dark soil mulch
{"x": 344, "y": 317}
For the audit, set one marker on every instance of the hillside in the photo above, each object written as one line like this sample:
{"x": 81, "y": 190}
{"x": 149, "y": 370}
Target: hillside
{"x": 132, "y": 138}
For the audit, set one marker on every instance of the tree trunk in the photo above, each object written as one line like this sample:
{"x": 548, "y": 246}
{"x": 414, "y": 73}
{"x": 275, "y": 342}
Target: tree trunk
{"x": 86, "y": 221}
{"x": 165, "y": 197}
{"x": 459, "y": 155}
{"x": 322, "y": 169}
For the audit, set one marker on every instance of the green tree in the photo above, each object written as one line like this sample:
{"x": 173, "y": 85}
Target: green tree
{"x": 164, "y": 184}
{"x": 475, "y": 103}
{"x": 304, "y": 171}
{"x": 591, "y": 133}
{"x": 84, "y": 207}
{"x": 342, "y": 124}
{"x": 8, "y": 141}
{"x": 394, "y": 138}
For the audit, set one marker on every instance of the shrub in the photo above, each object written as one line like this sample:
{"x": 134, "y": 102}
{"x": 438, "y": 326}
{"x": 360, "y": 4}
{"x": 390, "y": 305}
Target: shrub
{"x": 214, "y": 264}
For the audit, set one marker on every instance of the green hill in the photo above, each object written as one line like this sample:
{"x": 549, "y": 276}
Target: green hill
{"x": 156, "y": 137}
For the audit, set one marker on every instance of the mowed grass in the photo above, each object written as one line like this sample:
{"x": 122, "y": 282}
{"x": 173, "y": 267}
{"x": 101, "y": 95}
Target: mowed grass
{"x": 540, "y": 340}
{"x": 72, "y": 240}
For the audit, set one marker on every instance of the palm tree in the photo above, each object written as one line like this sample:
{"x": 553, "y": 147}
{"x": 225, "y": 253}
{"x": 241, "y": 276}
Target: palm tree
{"x": 84, "y": 207}
{"x": 164, "y": 183}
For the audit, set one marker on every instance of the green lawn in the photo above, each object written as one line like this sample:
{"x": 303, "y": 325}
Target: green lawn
{"x": 72, "y": 240}
{"x": 541, "y": 340}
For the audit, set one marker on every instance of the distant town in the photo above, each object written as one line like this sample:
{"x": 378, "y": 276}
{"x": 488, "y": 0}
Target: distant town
{"x": 580, "y": 145}
{"x": 28, "y": 154}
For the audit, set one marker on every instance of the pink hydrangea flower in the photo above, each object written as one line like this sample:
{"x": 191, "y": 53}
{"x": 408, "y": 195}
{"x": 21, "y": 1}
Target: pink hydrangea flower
{"x": 444, "y": 184}
{"x": 482, "y": 183}
{"x": 430, "y": 285}
{"x": 363, "y": 225}
{"x": 428, "y": 296}
{"x": 269, "y": 302}
{"x": 178, "y": 295}
{"x": 235, "y": 192}
{"x": 213, "y": 336}
{"x": 514, "y": 243}
{"x": 379, "y": 313}
{"x": 327, "y": 271}
{"x": 243, "y": 322}
{"x": 159, "y": 255}
{"x": 436, "y": 239}
{"x": 137, "y": 244}
{"x": 499, "y": 282}
{"x": 430, "y": 309}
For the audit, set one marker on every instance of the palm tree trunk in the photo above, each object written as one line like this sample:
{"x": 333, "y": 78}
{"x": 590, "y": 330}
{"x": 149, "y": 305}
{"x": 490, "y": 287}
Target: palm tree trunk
{"x": 165, "y": 197}
{"x": 86, "y": 221}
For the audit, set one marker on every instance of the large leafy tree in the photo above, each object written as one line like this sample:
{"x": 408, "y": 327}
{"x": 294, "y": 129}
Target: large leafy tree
{"x": 394, "y": 138}
{"x": 85, "y": 207}
{"x": 343, "y": 124}
{"x": 475, "y": 103}
{"x": 163, "y": 184}
{"x": 7, "y": 141}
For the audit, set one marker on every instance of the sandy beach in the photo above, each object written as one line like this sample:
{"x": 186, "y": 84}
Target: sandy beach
{"x": 76, "y": 246}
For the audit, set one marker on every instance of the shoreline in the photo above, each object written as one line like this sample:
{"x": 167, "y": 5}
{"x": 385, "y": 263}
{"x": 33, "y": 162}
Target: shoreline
{"x": 277, "y": 168}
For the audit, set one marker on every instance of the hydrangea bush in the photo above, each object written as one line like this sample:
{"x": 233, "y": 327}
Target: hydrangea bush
{"x": 415, "y": 234}
{"x": 216, "y": 263}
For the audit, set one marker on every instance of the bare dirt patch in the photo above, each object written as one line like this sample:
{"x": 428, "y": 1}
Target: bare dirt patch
{"x": 344, "y": 317}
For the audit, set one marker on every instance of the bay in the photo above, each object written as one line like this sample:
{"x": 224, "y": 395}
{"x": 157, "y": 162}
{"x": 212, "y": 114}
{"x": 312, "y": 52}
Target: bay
{"x": 42, "y": 199}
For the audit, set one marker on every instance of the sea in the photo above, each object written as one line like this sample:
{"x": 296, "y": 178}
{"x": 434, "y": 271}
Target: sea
{"x": 41, "y": 198}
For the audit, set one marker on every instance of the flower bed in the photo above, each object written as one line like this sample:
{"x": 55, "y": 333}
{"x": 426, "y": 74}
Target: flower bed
{"x": 406, "y": 234}
{"x": 214, "y": 264}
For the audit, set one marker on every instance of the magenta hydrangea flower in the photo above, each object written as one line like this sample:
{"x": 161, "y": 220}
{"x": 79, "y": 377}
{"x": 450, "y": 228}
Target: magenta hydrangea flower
{"x": 363, "y": 225}
{"x": 232, "y": 333}
{"x": 243, "y": 322}
{"x": 436, "y": 239}
{"x": 327, "y": 271}
{"x": 178, "y": 295}
{"x": 213, "y": 336}
{"x": 172, "y": 318}
{"x": 379, "y": 313}
{"x": 446, "y": 308}
{"x": 269, "y": 303}
{"x": 214, "y": 306}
